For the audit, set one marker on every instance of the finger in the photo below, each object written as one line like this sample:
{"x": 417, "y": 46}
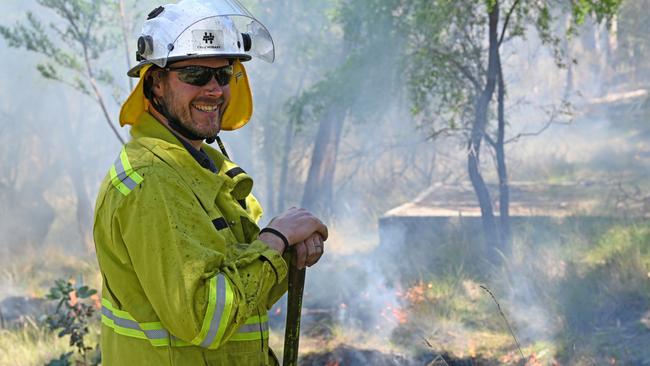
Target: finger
{"x": 301, "y": 255}
{"x": 317, "y": 243}
{"x": 322, "y": 230}
{"x": 311, "y": 249}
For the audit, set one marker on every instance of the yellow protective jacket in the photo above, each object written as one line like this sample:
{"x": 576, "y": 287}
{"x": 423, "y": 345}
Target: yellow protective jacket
{"x": 185, "y": 280}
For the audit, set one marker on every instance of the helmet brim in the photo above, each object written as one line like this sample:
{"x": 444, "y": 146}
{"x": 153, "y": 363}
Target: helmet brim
{"x": 135, "y": 71}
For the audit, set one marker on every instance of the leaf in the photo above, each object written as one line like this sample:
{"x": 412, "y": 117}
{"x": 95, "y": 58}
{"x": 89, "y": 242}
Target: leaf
{"x": 48, "y": 71}
{"x": 63, "y": 360}
{"x": 81, "y": 292}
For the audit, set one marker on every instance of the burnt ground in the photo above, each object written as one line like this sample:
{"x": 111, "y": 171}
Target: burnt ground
{"x": 350, "y": 356}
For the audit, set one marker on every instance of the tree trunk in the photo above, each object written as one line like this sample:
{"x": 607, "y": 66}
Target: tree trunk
{"x": 84, "y": 209}
{"x": 477, "y": 134}
{"x": 267, "y": 148}
{"x": 76, "y": 172}
{"x": 317, "y": 196}
{"x": 269, "y": 143}
{"x": 284, "y": 168}
{"x": 504, "y": 191}
{"x": 286, "y": 151}
{"x": 125, "y": 40}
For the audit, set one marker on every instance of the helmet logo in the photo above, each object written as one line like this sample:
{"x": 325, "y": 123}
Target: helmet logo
{"x": 207, "y": 39}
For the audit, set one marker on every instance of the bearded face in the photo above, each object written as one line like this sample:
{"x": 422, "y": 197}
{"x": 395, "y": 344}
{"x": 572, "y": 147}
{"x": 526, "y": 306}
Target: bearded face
{"x": 198, "y": 109}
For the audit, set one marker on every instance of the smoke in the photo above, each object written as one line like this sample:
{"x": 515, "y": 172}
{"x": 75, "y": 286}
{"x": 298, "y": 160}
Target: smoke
{"x": 384, "y": 160}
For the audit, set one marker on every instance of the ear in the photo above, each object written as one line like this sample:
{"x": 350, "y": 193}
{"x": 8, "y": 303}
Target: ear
{"x": 157, "y": 83}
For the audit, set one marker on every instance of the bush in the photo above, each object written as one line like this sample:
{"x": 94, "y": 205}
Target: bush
{"x": 72, "y": 316}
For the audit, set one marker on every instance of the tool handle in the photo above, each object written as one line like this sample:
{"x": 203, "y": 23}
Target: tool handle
{"x": 294, "y": 305}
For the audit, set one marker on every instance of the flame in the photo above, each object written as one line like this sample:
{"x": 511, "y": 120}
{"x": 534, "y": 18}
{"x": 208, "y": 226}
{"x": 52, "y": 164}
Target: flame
{"x": 73, "y": 298}
{"x": 533, "y": 360}
{"x": 415, "y": 294}
{"x": 97, "y": 303}
{"x": 400, "y": 315}
{"x": 471, "y": 349}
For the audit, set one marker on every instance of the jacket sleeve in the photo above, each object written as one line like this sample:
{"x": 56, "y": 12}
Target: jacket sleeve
{"x": 201, "y": 289}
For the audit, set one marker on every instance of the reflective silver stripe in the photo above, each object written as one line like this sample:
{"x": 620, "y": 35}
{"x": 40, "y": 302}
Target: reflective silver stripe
{"x": 130, "y": 183}
{"x": 218, "y": 311}
{"x": 251, "y": 328}
{"x": 130, "y": 324}
{"x": 121, "y": 174}
{"x": 119, "y": 169}
{"x": 156, "y": 333}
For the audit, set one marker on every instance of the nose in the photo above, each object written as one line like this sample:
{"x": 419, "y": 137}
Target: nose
{"x": 213, "y": 88}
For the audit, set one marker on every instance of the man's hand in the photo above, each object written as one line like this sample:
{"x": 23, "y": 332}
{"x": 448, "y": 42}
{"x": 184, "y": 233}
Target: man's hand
{"x": 309, "y": 251}
{"x": 297, "y": 225}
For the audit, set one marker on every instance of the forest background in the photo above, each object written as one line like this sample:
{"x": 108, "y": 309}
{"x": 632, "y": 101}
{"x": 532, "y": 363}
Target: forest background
{"x": 368, "y": 105}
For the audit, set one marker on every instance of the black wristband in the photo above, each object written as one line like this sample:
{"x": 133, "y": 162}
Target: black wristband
{"x": 278, "y": 234}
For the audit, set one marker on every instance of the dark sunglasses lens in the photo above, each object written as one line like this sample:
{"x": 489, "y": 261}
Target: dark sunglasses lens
{"x": 197, "y": 76}
{"x": 223, "y": 75}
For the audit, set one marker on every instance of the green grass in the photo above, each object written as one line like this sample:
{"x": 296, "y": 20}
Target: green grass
{"x": 575, "y": 294}
{"x": 603, "y": 296}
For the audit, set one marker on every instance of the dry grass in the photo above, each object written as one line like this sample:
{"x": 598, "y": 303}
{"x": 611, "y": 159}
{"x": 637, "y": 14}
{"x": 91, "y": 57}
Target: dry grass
{"x": 33, "y": 345}
{"x": 34, "y": 273}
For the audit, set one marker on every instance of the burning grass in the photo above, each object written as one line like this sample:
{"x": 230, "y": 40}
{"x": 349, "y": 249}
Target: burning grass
{"x": 584, "y": 300}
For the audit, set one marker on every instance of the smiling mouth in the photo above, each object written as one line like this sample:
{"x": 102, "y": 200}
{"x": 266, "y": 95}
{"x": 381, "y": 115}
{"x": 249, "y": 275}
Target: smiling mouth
{"x": 206, "y": 107}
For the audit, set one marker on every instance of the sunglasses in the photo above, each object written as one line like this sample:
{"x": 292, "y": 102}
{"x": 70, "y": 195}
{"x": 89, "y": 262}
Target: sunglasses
{"x": 201, "y": 75}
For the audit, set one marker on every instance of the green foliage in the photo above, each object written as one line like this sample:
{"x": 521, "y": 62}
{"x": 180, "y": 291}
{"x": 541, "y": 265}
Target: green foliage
{"x": 599, "y": 9}
{"x": 446, "y": 63}
{"x": 634, "y": 46}
{"x": 370, "y": 31}
{"x": 604, "y": 293}
{"x": 627, "y": 247}
{"x": 71, "y": 43}
{"x": 72, "y": 316}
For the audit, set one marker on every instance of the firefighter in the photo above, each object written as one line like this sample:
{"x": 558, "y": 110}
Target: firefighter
{"x": 188, "y": 276}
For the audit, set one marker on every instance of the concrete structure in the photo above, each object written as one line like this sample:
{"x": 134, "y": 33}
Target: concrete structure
{"x": 442, "y": 226}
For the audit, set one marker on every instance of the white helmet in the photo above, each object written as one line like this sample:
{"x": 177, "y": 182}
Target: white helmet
{"x": 201, "y": 28}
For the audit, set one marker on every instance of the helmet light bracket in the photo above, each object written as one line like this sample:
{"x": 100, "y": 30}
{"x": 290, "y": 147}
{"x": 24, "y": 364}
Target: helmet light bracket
{"x": 154, "y": 13}
{"x": 248, "y": 42}
{"x": 145, "y": 46}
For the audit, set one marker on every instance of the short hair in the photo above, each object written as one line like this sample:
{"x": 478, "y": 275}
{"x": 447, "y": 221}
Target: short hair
{"x": 153, "y": 73}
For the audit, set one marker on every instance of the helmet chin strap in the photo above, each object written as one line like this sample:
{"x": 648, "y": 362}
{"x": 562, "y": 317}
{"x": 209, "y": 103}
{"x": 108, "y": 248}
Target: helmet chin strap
{"x": 176, "y": 124}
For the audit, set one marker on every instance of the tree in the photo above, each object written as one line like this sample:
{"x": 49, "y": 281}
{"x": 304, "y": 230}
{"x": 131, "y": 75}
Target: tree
{"x": 369, "y": 30}
{"x": 84, "y": 37}
{"x": 455, "y": 69}
{"x": 72, "y": 45}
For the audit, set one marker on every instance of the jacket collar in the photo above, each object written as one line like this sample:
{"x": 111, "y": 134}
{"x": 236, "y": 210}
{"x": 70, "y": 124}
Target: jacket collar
{"x": 155, "y": 137}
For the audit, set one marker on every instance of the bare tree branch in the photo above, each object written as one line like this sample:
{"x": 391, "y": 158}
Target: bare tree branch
{"x": 467, "y": 73}
{"x": 551, "y": 121}
{"x": 506, "y": 21}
